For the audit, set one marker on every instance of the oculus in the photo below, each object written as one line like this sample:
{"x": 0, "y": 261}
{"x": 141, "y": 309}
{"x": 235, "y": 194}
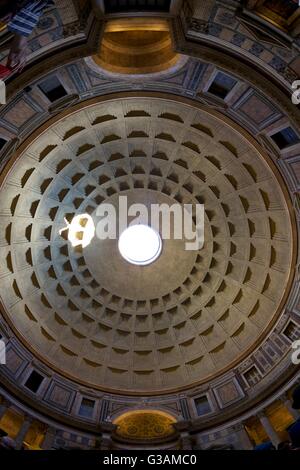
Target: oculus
{"x": 140, "y": 245}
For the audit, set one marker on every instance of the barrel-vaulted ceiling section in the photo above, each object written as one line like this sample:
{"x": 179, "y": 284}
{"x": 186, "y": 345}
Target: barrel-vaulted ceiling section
{"x": 213, "y": 130}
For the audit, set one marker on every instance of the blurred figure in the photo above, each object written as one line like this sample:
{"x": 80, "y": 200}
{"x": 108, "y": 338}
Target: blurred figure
{"x": 296, "y": 398}
{"x": 21, "y": 17}
{"x": 264, "y": 446}
{"x": 7, "y": 443}
{"x": 285, "y": 445}
{"x": 294, "y": 429}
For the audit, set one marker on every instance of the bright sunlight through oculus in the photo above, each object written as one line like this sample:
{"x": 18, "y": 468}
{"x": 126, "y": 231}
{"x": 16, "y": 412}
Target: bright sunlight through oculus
{"x": 140, "y": 245}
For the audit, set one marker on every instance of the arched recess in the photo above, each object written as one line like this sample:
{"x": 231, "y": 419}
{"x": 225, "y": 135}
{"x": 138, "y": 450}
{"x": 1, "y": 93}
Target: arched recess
{"x": 145, "y": 425}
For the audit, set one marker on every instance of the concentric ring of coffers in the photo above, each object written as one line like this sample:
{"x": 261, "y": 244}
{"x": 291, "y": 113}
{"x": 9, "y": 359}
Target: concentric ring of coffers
{"x": 188, "y": 316}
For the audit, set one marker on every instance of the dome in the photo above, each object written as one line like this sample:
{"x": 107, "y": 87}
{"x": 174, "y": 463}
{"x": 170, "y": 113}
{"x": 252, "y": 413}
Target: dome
{"x": 189, "y": 315}
{"x": 119, "y": 335}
